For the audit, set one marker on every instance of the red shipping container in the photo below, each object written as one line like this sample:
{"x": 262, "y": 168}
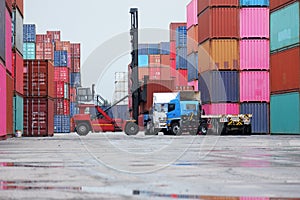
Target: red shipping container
{"x": 9, "y": 5}
{"x": 41, "y": 38}
{"x": 173, "y": 68}
{"x": 173, "y": 27}
{"x": 61, "y": 107}
{"x": 73, "y": 94}
{"x": 60, "y": 91}
{"x": 9, "y": 104}
{"x": 220, "y": 22}
{"x": 62, "y": 74}
{"x": 44, "y": 51}
{"x": 18, "y": 73}
{"x": 75, "y": 64}
{"x": 277, "y": 4}
{"x": 182, "y": 77}
{"x": 173, "y": 50}
{"x": 75, "y": 50}
{"x": 285, "y": 70}
{"x": 38, "y": 78}
{"x": 154, "y": 60}
{"x": 63, "y": 46}
{"x": 203, "y": 4}
{"x": 53, "y": 35}
{"x": 165, "y": 60}
{"x": 38, "y": 117}
{"x": 8, "y": 37}
{"x": 20, "y": 5}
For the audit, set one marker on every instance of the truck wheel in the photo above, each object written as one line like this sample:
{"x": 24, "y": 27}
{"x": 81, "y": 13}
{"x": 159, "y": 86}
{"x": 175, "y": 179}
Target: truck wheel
{"x": 82, "y": 129}
{"x": 202, "y": 130}
{"x": 131, "y": 128}
{"x": 175, "y": 129}
{"x": 247, "y": 130}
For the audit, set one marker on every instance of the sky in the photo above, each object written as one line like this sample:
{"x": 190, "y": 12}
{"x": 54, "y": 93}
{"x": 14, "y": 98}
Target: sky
{"x": 102, "y": 28}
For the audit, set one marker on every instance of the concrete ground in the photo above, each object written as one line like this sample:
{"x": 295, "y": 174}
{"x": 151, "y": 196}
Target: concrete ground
{"x": 116, "y": 166}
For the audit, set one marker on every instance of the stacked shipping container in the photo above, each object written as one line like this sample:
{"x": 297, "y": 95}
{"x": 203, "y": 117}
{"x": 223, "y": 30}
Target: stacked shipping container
{"x": 285, "y": 67}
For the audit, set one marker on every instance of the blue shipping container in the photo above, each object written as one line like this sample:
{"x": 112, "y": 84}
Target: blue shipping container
{"x": 154, "y": 49}
{"x": 192, "y": 66}
{"x": 260, "y": 118}
{"x": 75, "y": 80}
{"x": 181, "y": 37}
{"x": 245, "y": 3}
{"x": 61, "y": 124}
{"x": 60, "y": 58}
{"x": 143, "y": 49}
{"x": 143, "y": 60}
{"x": 165, "y": 48}
{"x": 73, "y": 109}
{"x": 181, "y": 58}
{"x": 203, "y": 84}
{"x": 29, "y": 51}
{"x": 29, "y": 33}
{"x": 2, "y": 30}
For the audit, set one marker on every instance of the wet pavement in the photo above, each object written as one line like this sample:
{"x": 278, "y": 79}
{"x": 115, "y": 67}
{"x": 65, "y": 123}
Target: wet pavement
{"x": 116, "y": 166}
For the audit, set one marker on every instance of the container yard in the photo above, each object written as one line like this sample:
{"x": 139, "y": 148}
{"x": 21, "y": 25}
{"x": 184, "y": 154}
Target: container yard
{"x": 207, "y": 108}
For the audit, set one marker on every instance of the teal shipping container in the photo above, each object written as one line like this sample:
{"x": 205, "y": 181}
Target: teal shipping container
{"x": 285, "y": 113}
{"x": 143, "y": 61}
{"x": 285, "y": 27}
{"x": 245, "y": 3}
{"x": 18, "y": 113}
{"x": 28, "y": 51}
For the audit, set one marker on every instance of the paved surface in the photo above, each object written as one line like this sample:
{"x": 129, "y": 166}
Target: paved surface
{"x": 115, "y": 166}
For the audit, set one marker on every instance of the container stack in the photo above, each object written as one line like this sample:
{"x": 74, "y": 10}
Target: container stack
{"x": 75, "y": 68}
{"x": 285, "y": 67}
{"x": 121, "y": 90}
{"x": 255, "y": 63}
{"x": 3, "y": 109}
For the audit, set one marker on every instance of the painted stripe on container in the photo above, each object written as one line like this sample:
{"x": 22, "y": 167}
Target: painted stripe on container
{"x": 285, "y": 113}
{"x": 260, "y": 118}
{"x": 254, "y": 54}
{"x": 221, "y": 109}
{"x": 254, "y": 86}
{"x": 8, "y": 51}
{"x": 18, "y": 113}
{"x": 255, "y": 2}
{"x": 192, "y": 13}
{"x": 2, "y": 101}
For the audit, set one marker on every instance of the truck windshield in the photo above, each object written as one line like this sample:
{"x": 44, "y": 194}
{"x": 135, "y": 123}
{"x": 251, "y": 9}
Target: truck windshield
{"x": 191, "y": 107}
{"x": 161, "y": 107}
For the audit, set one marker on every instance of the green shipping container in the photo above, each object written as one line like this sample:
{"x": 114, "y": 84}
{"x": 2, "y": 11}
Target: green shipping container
{"x": 285, "y": 113}
{"x": 18, "y": 113}
{"x": 285, "y": 27}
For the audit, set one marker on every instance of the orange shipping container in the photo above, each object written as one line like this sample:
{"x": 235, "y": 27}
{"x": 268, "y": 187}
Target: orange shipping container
{"x": 63, "y": 46}
{"x": 53, "y": 35}
{"x": 143, "y": 71}
{"x": 203, "y": 4}
{"x": 154, "y": 60}
{"x": 9, "y": 104}
{"x": 218, "y": 22}
{"x": 44, "y": 51}
{"x": 173, "y": 27}
{"x": 218, "y": 54}
{"x": 165, "y": 60}
{"x": 192, "y": 40}
{"x": 285, "y": 70}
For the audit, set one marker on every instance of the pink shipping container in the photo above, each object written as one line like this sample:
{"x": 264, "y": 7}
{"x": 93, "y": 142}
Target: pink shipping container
{"x": 222, "y": 109}
{"x": 254, "y": 54}
{"x": 44, "y": 51}
{"x": 2, "y": 102}
{"x": 62, "y": 74}
{"x": 255, "y": 86}
{"x": 255, "y": 23}
{"x": 41, "y": 38}
{"x": 194, "y": 84}
{"x": 182, "y": 77}
{"x": 192, "y": 13}
{"x": 8, "y": 46}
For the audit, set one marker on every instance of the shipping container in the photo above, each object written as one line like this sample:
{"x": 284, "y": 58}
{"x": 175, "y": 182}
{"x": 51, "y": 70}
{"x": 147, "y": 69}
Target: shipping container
{"x": 19, "y": 4}
{"x": 254, "y": 54}
{"x": 63, "y": 46}
{"x": 283, "y": 34}
{"x": 75, "y": 50}
{"x": 285, "y": 113}
{"x": 18, "y": 65}
{"x": 260, "y": 116}
{"x": 254, "y": 23}
{"x": 204, "y": 4}
{"x": 165, "y": 48}
{"x": 9, "y": 5}
{"x": 154, "y": 49}
{"x": 173, "y": 26}
{"x": 160, "y": 73}
{"x": 38, "y": 117}
{"x": 75, "y": 64}
{"x": 29, "y": 33}
{"x": 165, "y": 60}
{"x": 61, "y": 106}
{"x": 73, "y": 109}
{"x": 285, "y": 70}
{"x": 62, "y": 74}
{"x": 120, "y": 112}
{"x": 73, "y": 94}
{"x": 192, "y": 39}
{"x": 8, "y": 48}
{"x": 75, "y": 79}
{"x": 9, "y": 104}
{"x": 143, "y": 49}
{"x": 42, "y": 38}
{"x": 192, "y": 66}
{"x": 258, "y": 3}
{"x": 61, "y": 90}
{"x": 62, "y": 124}
{"x": 218, "y": 54}
{"x": 143, "y": 61}
{"x": 154, "y": 60}
{"x": 181, "y": 58}
{"x": 219, "y": 86}
{"x": 2, "y": 30}
{"x": 38, "y": 78}
{"x": 277, "y": 4}
{"x": 144, "y": 71}
{"x": 44, "y": 51}
{"x": 29, "y": 51}
{"x": 181, "y": 37}
{"x": 17, "y": 28}
{"x": 191, "y": 14}
{"x": 173, "y": 50}
{"x": 173, "y": 68}
{"x": 221, "y": 109}
{"x": 218, "y": 22}
{"x": 254, "y": 86}
{"x": 53, "y": 35}
{"x": 182, "y": 77}
{"x": 2, "y": 101}
{"x": 18, "y": 113}
{"x": 194, "y": 84}
{"x": 60, "y": 58}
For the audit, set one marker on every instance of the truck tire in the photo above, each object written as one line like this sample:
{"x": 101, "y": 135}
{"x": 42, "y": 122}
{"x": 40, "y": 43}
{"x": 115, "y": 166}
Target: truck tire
{"x": 175, "y": 129}
{"x": 202, "y": 129}
{"x": 247, "y": 130}
{"x": 83, "y": 129}
{"x": 131, "y": 128}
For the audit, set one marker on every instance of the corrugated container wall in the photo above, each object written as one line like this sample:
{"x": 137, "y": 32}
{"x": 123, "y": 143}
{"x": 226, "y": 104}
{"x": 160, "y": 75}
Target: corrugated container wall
{"x": 165, "y": 60}
{"x": 61, "y": 124}
{"x": 2, "y": 101}
{"x": 260, "y": 118}
{"x": 60, "y": 58}
{"x": 18, "y": 66}
{"x": 181, "y": 37}
{"x": 192, "y": 66}
{"x": 17, "y": 27}
{"x": 29, "y": 33}
{"x": 62, "y": 74}
{"x": 181, "y": 58}
{"x": 254, "y": 54}
{"x": 9, "y": 104}
{"x": 8, "y": 50}
{"x": 283, "y": 34}
{"x": 53, "y": 35}
{"x": 182, "y": 77}
{"x": 18, "y": 113}
{"x": 285, "y": 113}
{"x": 173, "y": 27}
{"x": 254, "y": 23}
{"x": 191, "y": 14}
{"x": 2, "y": 30}
{"x": 218, "y": 22}
{"x": 192, "y": 39}
{"x": 165, "y": 48}
{"x": 61, "y": 107}
{"x": 75, "y": 80}
{"x": 9, "y": 5}
{"x": 19, "y": 4}
{"x": 75, "y": 50}
{"x": 203, "y": 4}
{"x": 29, "y": 51}
{"x": 154, "y": 49}
{"x": 254, "y": 86}
{"x": 257, "y": 3}
{"x": 154, "y": 60}
{"x": 44, "y": 51}
{"x": 277, "y": 4}
{"x": 221, "y": 109}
